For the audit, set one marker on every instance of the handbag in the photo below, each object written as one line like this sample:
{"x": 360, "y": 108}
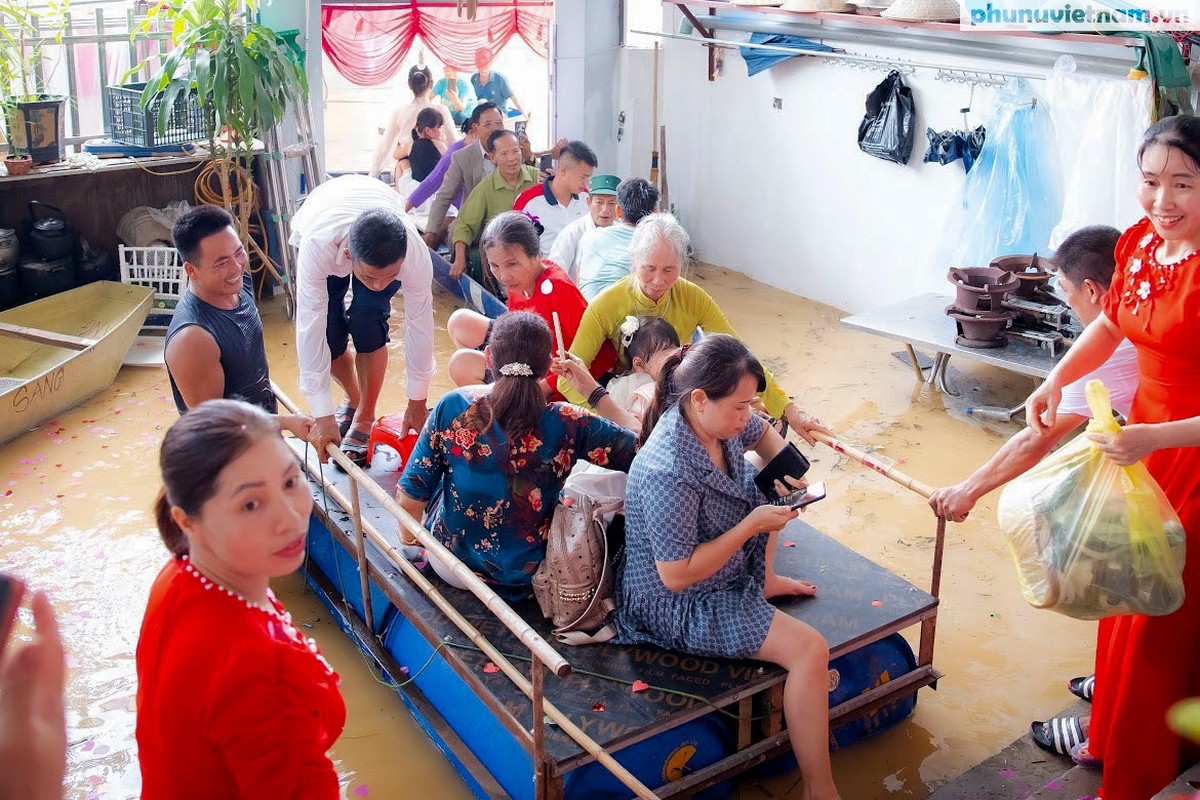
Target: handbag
{"x": 575, "y": 585}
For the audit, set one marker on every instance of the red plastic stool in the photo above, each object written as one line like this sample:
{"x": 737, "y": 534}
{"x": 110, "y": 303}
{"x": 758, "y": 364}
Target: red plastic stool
{"x": 388, "y": 430}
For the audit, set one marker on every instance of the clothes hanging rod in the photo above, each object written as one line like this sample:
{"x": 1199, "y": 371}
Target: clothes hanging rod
{"x": 842, "y": 55}
{"x": 1018, "y": 51}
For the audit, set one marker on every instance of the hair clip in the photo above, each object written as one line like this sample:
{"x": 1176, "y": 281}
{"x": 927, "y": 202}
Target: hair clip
{"x": 537, "y": 223}
{"x": 516, "y": 370}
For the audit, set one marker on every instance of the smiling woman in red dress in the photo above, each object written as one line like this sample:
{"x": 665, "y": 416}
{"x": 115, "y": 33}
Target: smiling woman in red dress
{"x": 1145, "y": 664}
{"x": 233, "y": 701}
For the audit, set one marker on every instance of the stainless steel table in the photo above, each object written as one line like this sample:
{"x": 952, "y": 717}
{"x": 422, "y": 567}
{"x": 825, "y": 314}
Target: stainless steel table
{"x": 922, "y": 321}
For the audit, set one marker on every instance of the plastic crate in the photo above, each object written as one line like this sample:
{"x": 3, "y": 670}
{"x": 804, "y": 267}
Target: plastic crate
{"x": 129, "y": 124}
{"x": 160, "y": 269}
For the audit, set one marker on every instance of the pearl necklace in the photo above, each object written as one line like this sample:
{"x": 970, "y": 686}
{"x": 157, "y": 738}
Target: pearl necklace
{"x": 209, "y": 584}
{"x": 283, "y": 618}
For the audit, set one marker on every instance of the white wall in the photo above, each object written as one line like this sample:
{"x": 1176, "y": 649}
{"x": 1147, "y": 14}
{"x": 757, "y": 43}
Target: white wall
{"x": 587, "y": 33}
{"x": 786, "y": 196}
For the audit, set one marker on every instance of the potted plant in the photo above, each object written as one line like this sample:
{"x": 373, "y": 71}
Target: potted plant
{"x": 34, "y": 121}
{"x": 243, "y": 75}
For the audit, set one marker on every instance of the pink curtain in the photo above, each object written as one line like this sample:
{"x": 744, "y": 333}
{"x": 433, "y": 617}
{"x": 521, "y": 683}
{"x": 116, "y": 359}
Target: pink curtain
{"x": 367, "y": 44}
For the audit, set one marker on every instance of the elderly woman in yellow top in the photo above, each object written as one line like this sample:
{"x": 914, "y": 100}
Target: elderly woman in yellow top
{"x": 654, "y": 288}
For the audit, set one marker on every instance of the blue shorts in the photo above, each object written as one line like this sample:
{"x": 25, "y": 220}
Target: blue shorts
{"x": 366, "y": 321}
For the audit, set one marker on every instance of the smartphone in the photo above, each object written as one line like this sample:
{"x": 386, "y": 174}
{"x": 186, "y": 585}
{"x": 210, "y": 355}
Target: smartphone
{"x": 520, "y": 127}
{"x": 12, "y": 589}
{"x": 546, "y": 162}
{"x": 803, "y": 497}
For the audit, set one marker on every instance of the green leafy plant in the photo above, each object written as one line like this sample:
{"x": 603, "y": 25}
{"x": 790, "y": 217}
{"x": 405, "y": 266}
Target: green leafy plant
{"x": 21, "y": 40}
{"x": 20, "y": 44}
{"x": 243, "y": 74}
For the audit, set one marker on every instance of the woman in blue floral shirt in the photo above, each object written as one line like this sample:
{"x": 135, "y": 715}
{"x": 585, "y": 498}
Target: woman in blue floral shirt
{"x": 492, "y": 460}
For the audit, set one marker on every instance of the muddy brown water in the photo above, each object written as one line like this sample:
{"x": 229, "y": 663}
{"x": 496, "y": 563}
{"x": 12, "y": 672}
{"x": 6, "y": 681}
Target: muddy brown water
{"x": 74, "y": 520}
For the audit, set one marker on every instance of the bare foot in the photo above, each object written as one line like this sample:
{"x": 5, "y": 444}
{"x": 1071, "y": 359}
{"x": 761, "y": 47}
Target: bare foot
{"x": 779, "y": 586}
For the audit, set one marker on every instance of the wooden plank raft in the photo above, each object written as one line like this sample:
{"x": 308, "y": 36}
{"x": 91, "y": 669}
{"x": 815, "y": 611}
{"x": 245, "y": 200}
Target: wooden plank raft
{"x": 860, "y": 602}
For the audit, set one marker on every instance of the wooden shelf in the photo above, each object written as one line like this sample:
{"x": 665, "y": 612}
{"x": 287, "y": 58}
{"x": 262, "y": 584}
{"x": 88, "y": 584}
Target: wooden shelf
{"x": 161, "y": 165}
{"x": 777, "y": 14}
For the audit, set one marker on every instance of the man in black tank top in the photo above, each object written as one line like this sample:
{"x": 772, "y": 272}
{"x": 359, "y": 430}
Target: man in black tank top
{"x": 214, "y": 343}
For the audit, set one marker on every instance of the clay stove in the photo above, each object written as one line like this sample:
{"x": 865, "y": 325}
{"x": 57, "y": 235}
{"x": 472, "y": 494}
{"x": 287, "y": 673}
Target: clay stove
{"x": 978, "y": 308}
{"x": 1041, "y": 317}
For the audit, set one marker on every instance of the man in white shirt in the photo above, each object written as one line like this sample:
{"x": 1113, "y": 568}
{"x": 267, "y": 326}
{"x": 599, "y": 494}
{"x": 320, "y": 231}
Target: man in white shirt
{"x": 352, "y": 231}
{"x": 602, "y": 212}
{"x": 1085, "y": 264}
{"x": 556, "y": 201}
{"x": 604, "y": 253}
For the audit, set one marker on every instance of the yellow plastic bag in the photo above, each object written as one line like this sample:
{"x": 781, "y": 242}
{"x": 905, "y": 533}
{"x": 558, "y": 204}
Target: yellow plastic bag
{"x": 1092, "y": 539}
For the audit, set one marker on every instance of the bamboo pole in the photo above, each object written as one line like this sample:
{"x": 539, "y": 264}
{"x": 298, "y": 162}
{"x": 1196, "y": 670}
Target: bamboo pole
{"x": 654, "y": 126}
{"x": 361, "y": 546}
{"x": 472, "y": 633}
{"x": 494, "y": 603}
{"x": 664, "y": 194}
{"x": 868, "y": 460}
{"x": 939, "y": 544}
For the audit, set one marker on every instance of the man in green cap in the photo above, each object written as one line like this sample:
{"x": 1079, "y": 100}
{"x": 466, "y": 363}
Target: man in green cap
{"x": 604, "y": 252}
{"x": 602, "y": 212}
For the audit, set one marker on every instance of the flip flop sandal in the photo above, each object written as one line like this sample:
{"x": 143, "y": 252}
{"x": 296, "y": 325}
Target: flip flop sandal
{"x": 1081, "y": 756}
{"x": 354, "y": 445}
{"x": 1083, "y": 688}
{"x": 344, "y": 416}
{"x": 1059, "y": 735}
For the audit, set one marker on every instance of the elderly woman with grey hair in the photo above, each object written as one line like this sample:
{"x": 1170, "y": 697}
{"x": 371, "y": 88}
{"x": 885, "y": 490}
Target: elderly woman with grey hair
{"x": 655, "y": 288}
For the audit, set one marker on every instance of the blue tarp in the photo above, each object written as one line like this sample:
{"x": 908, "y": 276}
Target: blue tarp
{"x": 759, "y": 60}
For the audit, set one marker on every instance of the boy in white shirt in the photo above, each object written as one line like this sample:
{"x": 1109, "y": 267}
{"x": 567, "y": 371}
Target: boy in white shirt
{"x": 1085, "y": 264}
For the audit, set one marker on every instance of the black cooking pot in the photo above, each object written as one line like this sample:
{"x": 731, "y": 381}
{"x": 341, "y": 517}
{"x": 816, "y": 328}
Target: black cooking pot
{"x": 50, "y": 237}
{"x": 44, "y": 277}
{"x": 93, "y": 265}
{"x": 10, "y": 285}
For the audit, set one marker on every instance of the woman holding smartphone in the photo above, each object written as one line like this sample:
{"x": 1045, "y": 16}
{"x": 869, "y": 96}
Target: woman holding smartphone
{"x": 700, "y": 540}
{"x": 233, "y": 700}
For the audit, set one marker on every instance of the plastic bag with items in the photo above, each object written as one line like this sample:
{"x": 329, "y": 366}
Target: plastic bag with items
{"x": 1092, "y": 539}
{"x": 887, "y": 129}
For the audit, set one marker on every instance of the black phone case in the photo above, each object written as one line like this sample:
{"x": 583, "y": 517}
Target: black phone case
{"x": 788, "y": 462}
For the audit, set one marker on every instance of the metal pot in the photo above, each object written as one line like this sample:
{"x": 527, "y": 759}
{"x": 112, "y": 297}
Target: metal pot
{"x": 10, "y": 285}
{"x": 10, "y": 248}
{"x": 44, "y": 277}
{"x": 50, "y": 237}
{"x": 93, "y": 265}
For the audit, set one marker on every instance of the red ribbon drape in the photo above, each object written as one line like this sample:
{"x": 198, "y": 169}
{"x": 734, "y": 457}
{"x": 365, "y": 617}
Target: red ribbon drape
{"x": 367, "y": 44}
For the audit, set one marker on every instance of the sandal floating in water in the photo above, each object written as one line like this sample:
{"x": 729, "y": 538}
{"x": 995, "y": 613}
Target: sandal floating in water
{"x": 1059, "y": 735}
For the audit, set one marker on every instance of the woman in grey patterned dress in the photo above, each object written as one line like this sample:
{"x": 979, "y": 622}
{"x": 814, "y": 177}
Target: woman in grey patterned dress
{"x": 698, "y": 571}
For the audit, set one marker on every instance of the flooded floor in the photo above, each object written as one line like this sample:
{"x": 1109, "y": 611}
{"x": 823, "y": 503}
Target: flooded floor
{"x": 74, "y": 520}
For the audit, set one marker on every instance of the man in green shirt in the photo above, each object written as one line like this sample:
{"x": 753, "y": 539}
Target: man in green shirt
{"x": 494, "y": 195}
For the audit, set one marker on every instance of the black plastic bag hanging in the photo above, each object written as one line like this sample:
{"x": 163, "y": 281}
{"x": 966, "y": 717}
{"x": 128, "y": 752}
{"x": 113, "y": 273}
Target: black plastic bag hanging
{"x": 887, "y": 129}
